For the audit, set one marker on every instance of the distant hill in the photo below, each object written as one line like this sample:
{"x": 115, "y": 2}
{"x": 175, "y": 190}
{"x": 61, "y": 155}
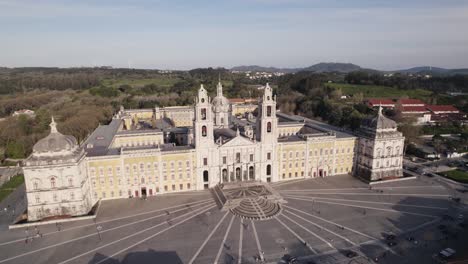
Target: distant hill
{"x": 349, "y": 67}
{"x": 320, "y": 67}
{"x": 333, "y": 67}
{"x": 256, "y": 68}
{"x": 433, "y": 71}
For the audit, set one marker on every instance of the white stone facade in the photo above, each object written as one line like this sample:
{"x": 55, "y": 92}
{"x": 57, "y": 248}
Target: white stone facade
{"x": 380, "y": 149}
{"x": 132, "y": 156}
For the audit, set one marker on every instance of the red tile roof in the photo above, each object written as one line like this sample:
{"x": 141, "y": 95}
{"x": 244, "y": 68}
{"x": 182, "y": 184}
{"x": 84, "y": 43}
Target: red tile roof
{"x": 377, "y": 101}
{"x": 413, "y": 109}
{"x": 442, "y": 108}
{"x": 236, "y": 100}
{"x": 411, "y": 102}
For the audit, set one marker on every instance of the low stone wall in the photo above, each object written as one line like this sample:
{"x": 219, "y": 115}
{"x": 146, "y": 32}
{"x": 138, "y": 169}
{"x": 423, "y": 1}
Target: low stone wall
{"x": 394, "y": 180}
{"x": 53, "y": 221}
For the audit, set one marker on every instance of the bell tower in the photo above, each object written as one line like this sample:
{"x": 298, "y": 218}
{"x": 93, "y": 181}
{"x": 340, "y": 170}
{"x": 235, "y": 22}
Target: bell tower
{"x": 267, "y": 135}
{"x": 267, "y": 122}
{"x": 203, "y": 123}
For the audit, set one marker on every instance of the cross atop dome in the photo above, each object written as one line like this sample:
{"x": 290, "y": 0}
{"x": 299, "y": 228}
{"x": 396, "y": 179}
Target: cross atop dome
{"x": 53, "y": 126}
{"x": 219, "y": 89}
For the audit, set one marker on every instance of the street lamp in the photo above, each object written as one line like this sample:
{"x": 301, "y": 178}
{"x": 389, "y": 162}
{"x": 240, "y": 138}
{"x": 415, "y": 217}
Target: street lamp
{"x": 98, "y": 229}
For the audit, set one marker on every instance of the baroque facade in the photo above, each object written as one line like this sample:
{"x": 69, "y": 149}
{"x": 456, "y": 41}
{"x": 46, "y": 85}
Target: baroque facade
{"x": 163, "y": 150}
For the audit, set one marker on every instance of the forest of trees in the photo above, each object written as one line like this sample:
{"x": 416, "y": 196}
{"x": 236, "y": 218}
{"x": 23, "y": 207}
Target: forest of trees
{"x": 305, "y": 93}
{"x": 81, "y": 98}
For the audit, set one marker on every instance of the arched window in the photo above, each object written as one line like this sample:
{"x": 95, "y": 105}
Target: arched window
{"x": 205, "y": 176}
{"x": 268, "y": 110}
{"x": 225, "y": 175}
{"x": 52, "y": 182}
{"x": 238, "y": 174}
{"x": 268, "y": 170}
{"x": 203, "y": 113}
{"x": 389, "y": 151}
{"x": 397, "y": 150}
{"x": 251, "y": 173}
{"x": 203, "y": 129}
{"x": 269, "y": 127}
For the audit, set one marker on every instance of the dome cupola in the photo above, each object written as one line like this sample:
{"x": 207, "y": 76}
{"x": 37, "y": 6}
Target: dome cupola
{"x": 220, "y": 103}
{"x": 55, "y": 144}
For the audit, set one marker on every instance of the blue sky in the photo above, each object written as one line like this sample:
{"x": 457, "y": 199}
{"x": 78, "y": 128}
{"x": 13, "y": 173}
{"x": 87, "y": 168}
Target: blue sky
{"x": 188, "y": 34}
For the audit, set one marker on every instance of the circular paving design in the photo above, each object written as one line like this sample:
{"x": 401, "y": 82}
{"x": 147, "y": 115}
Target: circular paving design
{"x": 256, "y": 208}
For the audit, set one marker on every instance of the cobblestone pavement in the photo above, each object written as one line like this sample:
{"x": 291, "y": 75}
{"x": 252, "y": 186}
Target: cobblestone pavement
{"x": 323, "y": 220}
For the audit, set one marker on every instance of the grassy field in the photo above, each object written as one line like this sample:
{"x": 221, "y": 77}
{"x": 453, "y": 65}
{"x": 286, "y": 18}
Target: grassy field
{"x": 370, "y": 91}
{"x": 162, "y": 81}
{"x": 456, "y": 175}
{"x": 10, "y": 186}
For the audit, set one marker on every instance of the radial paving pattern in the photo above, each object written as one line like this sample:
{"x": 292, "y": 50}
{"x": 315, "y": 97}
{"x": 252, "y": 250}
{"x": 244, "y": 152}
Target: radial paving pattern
{"x": 256, "y": 209}
{"x": 321, "y": 219}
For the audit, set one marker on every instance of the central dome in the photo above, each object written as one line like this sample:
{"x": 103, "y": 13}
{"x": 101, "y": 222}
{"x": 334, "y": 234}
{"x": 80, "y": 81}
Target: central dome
{"x": 220, "y": 103}
{"x": 55, "y": 143}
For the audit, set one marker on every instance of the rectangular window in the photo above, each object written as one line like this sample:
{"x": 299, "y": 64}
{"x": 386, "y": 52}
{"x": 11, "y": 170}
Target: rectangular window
{"x": 251, "y": 157}
{"x": 181, "y": 187}
{"x": 224, "y": 160}
{"x": 269, "y": 156}
{"x": 238, "y": 157}
{"x": 188, "y": 186}
{"x": 205, "y": 161}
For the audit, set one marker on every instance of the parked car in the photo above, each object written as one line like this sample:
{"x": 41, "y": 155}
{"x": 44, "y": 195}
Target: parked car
{"x": 447, "y": 253}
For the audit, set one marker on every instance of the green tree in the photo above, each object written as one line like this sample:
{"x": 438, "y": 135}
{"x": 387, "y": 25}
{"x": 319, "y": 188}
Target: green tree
{"x": 15, "y": 150}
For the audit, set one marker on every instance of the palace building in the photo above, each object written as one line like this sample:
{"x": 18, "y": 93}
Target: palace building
{"x": 150, "y": 152}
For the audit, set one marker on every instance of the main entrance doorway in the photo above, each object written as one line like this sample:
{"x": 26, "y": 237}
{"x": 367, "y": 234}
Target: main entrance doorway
{"x": 143, "y": 192}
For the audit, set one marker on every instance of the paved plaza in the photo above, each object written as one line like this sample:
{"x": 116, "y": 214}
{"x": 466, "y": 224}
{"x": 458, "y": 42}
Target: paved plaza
{"x": 320, "y": 221}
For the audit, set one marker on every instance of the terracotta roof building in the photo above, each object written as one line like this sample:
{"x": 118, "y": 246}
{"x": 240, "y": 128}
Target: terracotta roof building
{"x": 442, "y": 109}
{"x": 386, "y": 103}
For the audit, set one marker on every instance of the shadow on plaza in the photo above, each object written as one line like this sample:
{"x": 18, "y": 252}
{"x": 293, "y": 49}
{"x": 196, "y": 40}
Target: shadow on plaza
{"x": 406, "y": 226}
{"x": 141, "y": 257}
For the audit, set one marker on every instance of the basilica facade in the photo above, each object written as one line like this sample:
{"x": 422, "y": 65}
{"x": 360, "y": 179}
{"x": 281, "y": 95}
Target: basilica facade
{"x": 146, "y": 152}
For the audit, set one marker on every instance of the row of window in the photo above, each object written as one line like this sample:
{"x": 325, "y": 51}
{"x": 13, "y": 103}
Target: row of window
{"x": 320, "y": 173}
{"x": 136, "y": 180}
{"x": 53, "y": 183}
{"x": 238, "y": 158}
{"x": 140, "y": 168}
{"x": 387, "y": 164}
{"x": 297, "y": 154}
{"x": 173, "y": 187}
{"x": 296, "y": 165}
{"x": 54, "y": 197}
{"x": 140, "y": 143}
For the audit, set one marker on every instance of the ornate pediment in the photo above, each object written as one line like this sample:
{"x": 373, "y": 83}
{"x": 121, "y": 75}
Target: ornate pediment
{"x": 239, "y": 141}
